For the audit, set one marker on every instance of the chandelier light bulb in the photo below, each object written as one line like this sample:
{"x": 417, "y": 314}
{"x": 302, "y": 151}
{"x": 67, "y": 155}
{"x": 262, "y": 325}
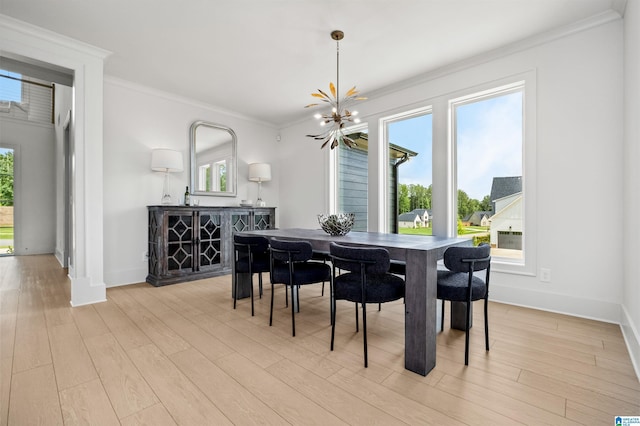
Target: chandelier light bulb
{"x": 317, "y": 116}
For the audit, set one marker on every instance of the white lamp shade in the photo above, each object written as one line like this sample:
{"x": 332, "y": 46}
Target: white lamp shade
{"x": 166, "y": 160}
{"x": 259, "y": 172}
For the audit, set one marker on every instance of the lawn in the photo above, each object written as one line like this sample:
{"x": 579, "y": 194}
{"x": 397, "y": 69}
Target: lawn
{"x": 428, "y": 231}
{"x": 6, "y": 232}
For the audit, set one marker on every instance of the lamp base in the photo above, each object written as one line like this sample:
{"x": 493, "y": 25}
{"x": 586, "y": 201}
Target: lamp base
{"x": 166, "y": 197}
{"x": 260, "y": 203}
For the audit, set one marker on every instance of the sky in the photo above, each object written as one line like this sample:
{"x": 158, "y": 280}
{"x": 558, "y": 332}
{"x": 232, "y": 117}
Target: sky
{"x": 489, "y": 144}
{"x": 10, "y": 89}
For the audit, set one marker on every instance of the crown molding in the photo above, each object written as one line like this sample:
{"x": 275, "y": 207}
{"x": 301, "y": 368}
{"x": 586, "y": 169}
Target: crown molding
{"x": 151, "y": 91}
{"x": 30, "y": 30}
{"x": 491, "y": 55}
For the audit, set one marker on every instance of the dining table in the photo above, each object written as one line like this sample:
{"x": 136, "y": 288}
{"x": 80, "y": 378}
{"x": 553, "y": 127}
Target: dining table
{"x": 419, "y": 253}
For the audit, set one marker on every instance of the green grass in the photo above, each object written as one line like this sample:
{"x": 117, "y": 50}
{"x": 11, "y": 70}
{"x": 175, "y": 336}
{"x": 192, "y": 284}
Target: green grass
{"x": 428, "y": 231}
{"x": 415, "y": 231}
{"x": 6, "y": 232}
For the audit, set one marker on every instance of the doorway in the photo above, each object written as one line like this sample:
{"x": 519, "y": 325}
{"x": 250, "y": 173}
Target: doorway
{"x": 6, "y": 201}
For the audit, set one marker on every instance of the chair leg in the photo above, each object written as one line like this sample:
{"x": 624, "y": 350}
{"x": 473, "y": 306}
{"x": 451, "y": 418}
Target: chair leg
{"x": 333, "y": 319}
{"x": 251, "y": 293}
{"x": 486, "y": 323}
{"x": 235, "y": 290}
{"x": 260, "y": 283}
{"x": 364, "y": 334}
{"x": 293, "y": 314}
{"x": 271, "y": 311}
{"x": 322, "y": 294}
{"x": 357, "y": 326}
{"x": 442, "y": 317}
{"x": 466, "y": 334}
{"x": 379, "y": 307}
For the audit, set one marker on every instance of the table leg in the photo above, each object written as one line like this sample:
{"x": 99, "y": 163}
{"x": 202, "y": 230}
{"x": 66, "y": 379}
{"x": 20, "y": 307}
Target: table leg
{"x": 459, "y": 315}
{"x": 244, "y": 284}
{"x": 420, "y": 311}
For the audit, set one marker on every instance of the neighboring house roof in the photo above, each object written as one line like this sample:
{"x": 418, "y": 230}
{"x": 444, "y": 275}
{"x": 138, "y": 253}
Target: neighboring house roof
{"x": 361, "y": 140}
{"x": 503, "y": 187}
{"x": 408, "y": 217}
{"x": 421, "y": 212}
{"x": 476, "y": 217}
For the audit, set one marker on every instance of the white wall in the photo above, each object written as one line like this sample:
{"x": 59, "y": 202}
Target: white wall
{"x": 579, "y": 156}
{"x": 138, "y": 119}
{"x": 631, "y": 288}
{"x": 63, "y": 104}
{"x": 34, "y": 184}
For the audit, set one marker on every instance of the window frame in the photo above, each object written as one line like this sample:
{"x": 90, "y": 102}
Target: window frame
{"x": 385, "y": 176}
{"x": 526, "y": 82}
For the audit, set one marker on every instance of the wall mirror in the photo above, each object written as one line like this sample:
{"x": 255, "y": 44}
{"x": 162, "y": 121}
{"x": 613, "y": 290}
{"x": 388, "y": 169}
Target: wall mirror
{"x": 213, "y": 159}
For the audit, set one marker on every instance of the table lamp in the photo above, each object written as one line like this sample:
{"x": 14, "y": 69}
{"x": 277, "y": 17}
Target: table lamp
{"x": 167, "y": 161}
{"x": 260, "y": 172}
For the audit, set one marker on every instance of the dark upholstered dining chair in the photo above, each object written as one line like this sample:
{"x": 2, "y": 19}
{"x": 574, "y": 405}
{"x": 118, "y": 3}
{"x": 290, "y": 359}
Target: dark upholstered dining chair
{"x": 291, "y": 266}
{"x": 367, "y": 280}
{"x": 251, "y": 256}
{"x": 459, "y": 284}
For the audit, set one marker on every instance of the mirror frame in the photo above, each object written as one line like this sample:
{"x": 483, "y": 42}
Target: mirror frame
{"x": 193, "y": 166}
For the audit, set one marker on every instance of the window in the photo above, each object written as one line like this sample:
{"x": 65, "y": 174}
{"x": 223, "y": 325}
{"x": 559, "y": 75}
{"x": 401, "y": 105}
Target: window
{"x": 204, "y": 178}
{"x": 488, "y": 132}
{"x": 10, "y": 86}
{"x": 409, "y": 142}
{"x": 220, "y": 183}
{"x": 25, "y": 98}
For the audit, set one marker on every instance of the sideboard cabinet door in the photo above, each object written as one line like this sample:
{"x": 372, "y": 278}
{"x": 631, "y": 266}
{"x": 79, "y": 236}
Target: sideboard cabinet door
{"x": 210, "y": 241}
{"x": 190, "y": 243}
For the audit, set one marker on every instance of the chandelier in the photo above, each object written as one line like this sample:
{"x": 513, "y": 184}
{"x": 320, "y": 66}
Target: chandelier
{"x": 340, "y": 114}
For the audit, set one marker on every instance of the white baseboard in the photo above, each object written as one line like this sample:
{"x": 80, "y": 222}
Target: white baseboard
{"x": 84, "y": 292}
{"x": 578, "y": 307}
{"x": 632, "y": 339}
{"x": 125, "y": 276}
{"x": 570, "y": 305}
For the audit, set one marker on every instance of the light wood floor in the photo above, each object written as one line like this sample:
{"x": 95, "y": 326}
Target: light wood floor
{"x": 181, "y": 355}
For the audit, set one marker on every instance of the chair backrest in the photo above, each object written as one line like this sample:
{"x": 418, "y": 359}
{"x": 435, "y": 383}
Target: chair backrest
{"x": 458, "y": 259}
{"x": 349, "y": 258}
{"x": 300, "y": 251}
{"x": 258, "y": 244}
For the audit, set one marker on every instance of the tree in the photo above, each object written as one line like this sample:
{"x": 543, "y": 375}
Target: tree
{"x": 485, "y": 204}
{"x": 403, "y": 199}
{"x": 6, "y": 178}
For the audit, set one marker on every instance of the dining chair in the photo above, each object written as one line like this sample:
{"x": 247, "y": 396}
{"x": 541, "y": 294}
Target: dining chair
{"x": 251, "y": 256}
{"x": 291, "y": 265}
{"x": 459, "y": 284}
{"x": 367, "y": 280}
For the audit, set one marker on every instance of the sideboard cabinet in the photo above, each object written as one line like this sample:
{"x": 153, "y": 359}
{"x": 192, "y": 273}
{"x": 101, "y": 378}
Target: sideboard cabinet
{"x": 194, "y": 242}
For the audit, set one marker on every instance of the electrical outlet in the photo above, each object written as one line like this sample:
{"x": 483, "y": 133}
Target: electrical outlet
{"x": 145, "y": 256}
{"x": 545, "y": 275}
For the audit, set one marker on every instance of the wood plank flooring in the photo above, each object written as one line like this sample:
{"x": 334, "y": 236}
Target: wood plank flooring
{"x": 181, "y": 355}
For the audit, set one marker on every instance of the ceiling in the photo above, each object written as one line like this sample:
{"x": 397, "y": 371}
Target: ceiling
{"x": 264, "y": 58}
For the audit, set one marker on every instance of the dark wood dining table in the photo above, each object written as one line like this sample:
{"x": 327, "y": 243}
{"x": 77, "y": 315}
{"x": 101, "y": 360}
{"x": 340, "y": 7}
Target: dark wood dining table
{"x": 421, "y": 254}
